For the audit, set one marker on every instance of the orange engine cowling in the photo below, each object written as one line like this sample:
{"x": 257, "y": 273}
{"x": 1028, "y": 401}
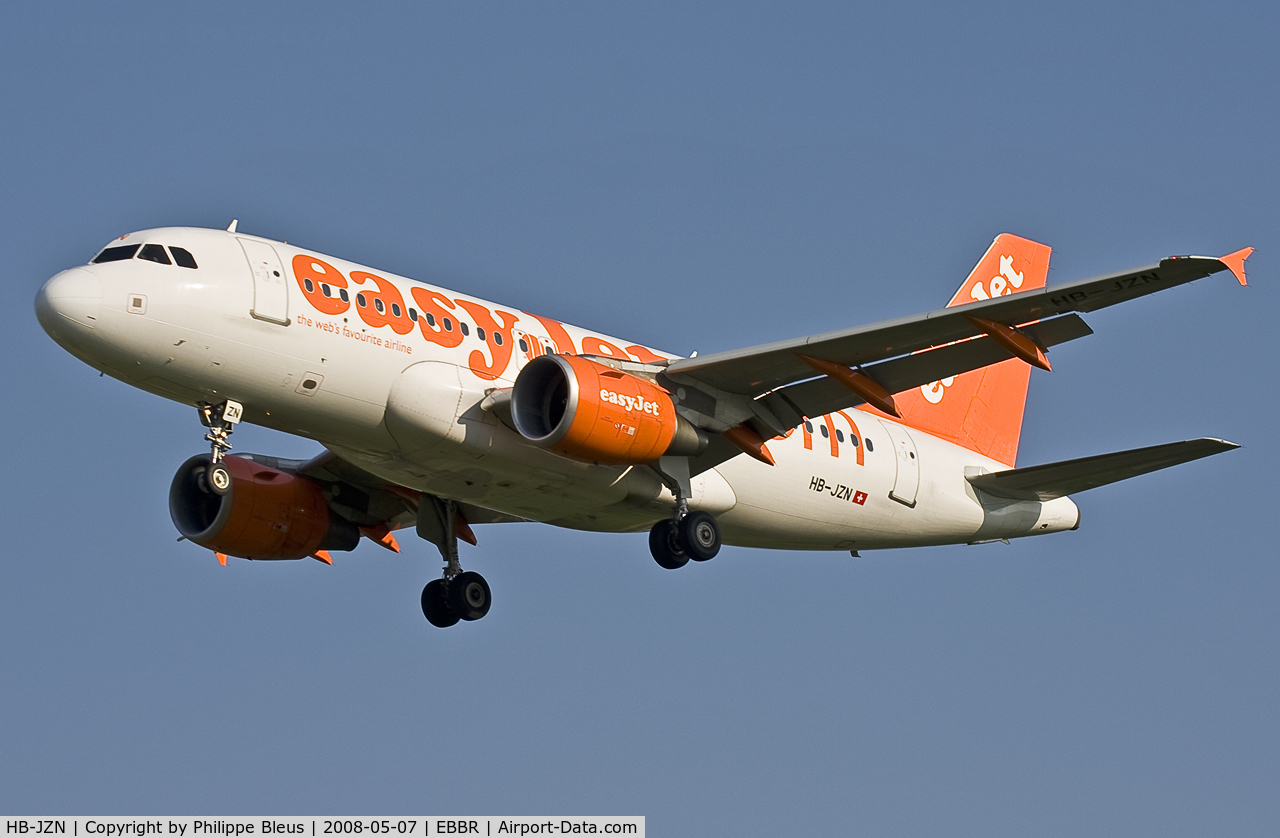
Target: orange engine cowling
{"x": 587, "y": 411}
{"x": 265, "y": 514}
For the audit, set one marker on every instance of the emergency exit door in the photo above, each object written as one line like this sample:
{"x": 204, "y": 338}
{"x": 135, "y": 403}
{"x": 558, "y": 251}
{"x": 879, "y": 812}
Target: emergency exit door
{"x": 906, "y": 481}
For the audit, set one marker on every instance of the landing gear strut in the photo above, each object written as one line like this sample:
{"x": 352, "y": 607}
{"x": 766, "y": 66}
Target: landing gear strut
{"x": 686, "y": 534}
{"x": 460, "y": 595}
{"x": 221, "y": 420}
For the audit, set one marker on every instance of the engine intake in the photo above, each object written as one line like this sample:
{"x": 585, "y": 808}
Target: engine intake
{"x": 265, "y": 514}
{"x": 590, "y": 412}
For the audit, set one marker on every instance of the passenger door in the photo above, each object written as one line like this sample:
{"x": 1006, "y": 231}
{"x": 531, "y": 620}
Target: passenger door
{"x": 270, "y": 289}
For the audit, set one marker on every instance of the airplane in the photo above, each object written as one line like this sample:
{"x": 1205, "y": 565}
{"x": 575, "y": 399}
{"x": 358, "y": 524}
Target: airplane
{"x": 439, "y": 411}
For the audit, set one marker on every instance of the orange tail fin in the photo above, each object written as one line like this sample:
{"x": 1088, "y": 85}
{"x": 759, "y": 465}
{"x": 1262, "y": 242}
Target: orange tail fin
{"x": 982, "y": 410}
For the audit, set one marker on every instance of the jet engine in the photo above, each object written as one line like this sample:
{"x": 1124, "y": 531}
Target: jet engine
{"x": 264, "y": 513}
{"x": 587, "y": 411}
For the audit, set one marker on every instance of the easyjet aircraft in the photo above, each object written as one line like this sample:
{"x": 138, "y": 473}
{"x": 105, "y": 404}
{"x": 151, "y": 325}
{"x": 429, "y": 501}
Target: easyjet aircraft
{"x": 439, "y": 411}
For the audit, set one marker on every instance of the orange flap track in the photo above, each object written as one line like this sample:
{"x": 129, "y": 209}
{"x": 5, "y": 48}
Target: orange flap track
{"x": 322, "y": 556}
{"x": 222, "y": 558}
{"x": 1019, "y": 345}
{"x": 867, "y": 388}
{"x": 464, "y": 529}
{"x": 382, "y": 537}
{"x": 1235, "y": 263}
{"x": 749, "y": 442}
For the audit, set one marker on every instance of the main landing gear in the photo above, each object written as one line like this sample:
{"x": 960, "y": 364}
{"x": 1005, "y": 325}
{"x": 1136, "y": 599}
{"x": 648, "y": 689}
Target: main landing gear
{"x": 686, "y": 534}
{"x": 459, "y": 595}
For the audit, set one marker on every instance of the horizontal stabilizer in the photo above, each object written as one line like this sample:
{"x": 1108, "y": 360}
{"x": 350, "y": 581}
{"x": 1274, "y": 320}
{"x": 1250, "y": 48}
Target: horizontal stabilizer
{"x": 1055, "y": 480}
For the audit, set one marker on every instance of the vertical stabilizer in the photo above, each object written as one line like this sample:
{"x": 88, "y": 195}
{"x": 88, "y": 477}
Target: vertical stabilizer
{"x": 982, "y": 410}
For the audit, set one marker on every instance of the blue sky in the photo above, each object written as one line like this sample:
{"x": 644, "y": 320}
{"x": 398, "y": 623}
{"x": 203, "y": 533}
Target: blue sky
{"x": 694, "y": 178}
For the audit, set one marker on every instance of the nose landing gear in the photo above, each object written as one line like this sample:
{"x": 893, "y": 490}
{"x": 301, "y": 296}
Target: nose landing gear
{"x": 221, "y": 420}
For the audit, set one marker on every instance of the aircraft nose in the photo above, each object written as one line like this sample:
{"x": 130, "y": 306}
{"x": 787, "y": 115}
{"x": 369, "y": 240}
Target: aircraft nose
{"x": 71, "y": 297}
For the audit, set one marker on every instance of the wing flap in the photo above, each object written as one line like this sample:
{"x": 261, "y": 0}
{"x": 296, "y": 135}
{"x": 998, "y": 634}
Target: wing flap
{"x": 824, "y": 395}
{"x": 1055, "y": 480}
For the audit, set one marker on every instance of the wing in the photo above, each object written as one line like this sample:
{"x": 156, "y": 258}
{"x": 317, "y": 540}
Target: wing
{"x": 762, "y": 368}
{"x": 1055, "y": 480}
{"x": 772, "y": 387}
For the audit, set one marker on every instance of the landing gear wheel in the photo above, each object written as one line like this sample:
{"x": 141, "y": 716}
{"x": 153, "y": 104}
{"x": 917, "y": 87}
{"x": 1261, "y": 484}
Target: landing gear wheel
{"x": 700, "y": 536}
{"x": 218, "y": 479}
{"x": 435, "y": 605}
{"x": 469, "y": 595}
{"x": 666, "y": 547}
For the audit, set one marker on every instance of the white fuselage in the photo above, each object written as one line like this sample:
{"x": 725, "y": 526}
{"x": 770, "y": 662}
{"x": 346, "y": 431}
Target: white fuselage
{"x": 407, "y": 407}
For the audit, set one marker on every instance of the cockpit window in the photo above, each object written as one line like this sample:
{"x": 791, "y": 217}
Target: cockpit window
{"x": 116, "y": 254}
{"x": 154, "y": 253}
{"x": 183, "y": 257}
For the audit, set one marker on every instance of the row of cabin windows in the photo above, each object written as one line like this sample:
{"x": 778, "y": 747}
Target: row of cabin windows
{"x": 147, "y": 252}
{"x": 381, "y": 307}
{"x": 808, "y": 426}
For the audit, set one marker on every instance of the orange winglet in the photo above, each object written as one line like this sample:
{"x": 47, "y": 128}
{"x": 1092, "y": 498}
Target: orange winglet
{"x": 1235, "y": 263}
{"x": 1019, "y": 345}
{"x": 322, "y": 556}
{"x": 750, "y": 443}
{"x": 222, "y": 558}
{"x": 382, "y": 537}
{"x": 863, "y": 385}
{"x": 464, "y": 529}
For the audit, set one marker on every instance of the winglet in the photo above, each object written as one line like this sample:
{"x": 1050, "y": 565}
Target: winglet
{"x": 222, "y": 558}
{"x": 322, "y": 556}
{"x": 1235, "y": 263}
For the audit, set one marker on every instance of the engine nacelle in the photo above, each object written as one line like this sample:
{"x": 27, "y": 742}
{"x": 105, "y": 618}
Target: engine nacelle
{"x": 590, "y": 412}
{"x": 265, "y": 513}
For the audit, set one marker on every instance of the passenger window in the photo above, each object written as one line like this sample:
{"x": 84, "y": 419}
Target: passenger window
{"x": 395, "y": 309}
{"x": 480, "y": 333}
{"x": 306, "y": 283}
{"x": 382, "y": 309}
{"x": 116, "y": 254}
{"x": 360, "y": 301}
{"x": 448, "y": 324}
{"x": 839, "y": 435}
{"x": 870, "y": 447}
{"x": 497, "y": 338}
{"x": 183, "y": 257}
{"x": 431, "y": 320}
{"x": 413, "y": 315}
{"x": 466, "y": 330}
{"x": 854, "y": 440}
{"x": 808, "y": 427}
{"x": 342, "y": 292}
{"x": 823, "y": 428}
